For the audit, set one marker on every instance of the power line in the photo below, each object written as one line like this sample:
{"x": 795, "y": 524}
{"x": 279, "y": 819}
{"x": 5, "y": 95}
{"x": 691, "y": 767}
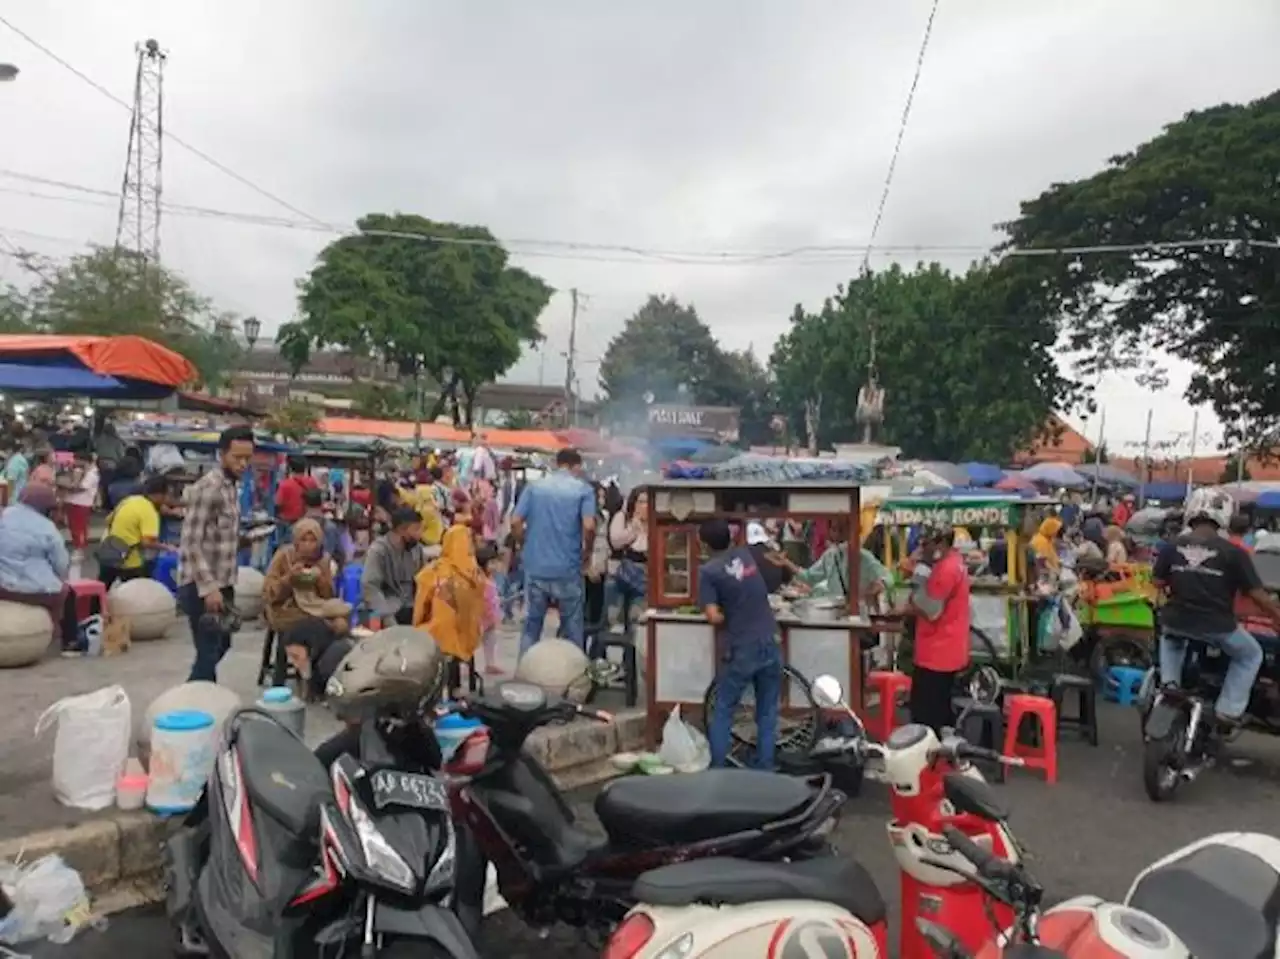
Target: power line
{"x": 812, "y": 254}
{"x": 902, "y": 132}
{"x": 169, "y": 134}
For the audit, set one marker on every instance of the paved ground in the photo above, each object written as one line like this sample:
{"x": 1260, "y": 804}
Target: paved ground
{"x": 148, "y": 669}
{"x": 1090, "y": 833}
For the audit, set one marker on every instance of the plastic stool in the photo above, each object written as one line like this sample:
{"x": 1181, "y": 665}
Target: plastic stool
{"x": 1123, "y": 684}
{"x": 86, "y": 591}
{"x": 165, "y": 571}
{"x": 1044, "y": 755}
{"x": 350, "y": 589}
{"x": 888, "y": 684}
{"x": 982, "y": 724}
{"x": 1085, "y": 720}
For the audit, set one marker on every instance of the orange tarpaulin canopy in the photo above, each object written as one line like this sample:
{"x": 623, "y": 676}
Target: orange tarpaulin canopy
{"x": 128, "y": 357}
{"x": 437, "y": 432}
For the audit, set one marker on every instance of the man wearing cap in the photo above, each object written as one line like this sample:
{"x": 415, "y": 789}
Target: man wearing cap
{"x": 773, "y": 565}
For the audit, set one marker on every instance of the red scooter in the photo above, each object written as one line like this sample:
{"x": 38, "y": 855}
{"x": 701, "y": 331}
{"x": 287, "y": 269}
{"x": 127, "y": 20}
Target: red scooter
{"x": 550, "y": 870}
{"x": 934, "y": 787}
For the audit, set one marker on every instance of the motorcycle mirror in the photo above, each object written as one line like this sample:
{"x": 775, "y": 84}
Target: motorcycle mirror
{"x": 828, "y": 692}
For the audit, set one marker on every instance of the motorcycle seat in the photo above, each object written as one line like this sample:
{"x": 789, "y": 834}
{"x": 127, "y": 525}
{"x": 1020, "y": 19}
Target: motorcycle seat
{"x": 1221, "y": 901}
{"x": 666, "y": 810}
{"x": 738, "y": 882}
{"x": 282, "y": 776}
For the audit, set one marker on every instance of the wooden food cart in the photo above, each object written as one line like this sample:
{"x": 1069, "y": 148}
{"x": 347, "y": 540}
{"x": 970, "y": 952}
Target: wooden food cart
{"x": 999, "y": 606}
{"x": 681, "y": 647}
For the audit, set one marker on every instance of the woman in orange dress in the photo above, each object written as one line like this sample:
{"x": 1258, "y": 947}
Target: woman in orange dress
{"x": 449, "y": 600}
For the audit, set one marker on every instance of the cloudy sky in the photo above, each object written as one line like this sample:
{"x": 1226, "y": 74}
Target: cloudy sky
{"x": 722, "y": 125}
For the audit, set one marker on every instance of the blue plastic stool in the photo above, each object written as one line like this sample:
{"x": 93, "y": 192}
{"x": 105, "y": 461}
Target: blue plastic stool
{"x": 165, "y": 571}
{"x": 350, "y": 590}
{"x": 1123, "y": 684}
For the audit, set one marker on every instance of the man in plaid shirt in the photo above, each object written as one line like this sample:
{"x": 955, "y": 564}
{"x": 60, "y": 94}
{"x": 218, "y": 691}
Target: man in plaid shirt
{"x": 208, "y": 550}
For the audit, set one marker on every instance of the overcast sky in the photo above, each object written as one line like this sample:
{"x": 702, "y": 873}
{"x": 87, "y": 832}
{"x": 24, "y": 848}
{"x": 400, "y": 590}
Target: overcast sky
{"x": 722, "y": 125}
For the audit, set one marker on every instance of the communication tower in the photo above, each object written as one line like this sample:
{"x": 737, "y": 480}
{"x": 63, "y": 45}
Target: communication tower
{"x": 138, "y": 225}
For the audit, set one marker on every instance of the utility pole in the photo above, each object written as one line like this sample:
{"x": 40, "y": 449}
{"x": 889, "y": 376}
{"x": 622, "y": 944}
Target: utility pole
{"x": 1146, "y": 461}
{"x": 570, "y": 358}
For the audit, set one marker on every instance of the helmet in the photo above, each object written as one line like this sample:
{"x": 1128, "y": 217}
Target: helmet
{"x": 395, "y": 666}
{"x": 1209, "y": 504}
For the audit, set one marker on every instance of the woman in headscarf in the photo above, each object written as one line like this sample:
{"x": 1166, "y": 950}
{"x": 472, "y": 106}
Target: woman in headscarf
{"x": 34, "y": 563}
{"x": 1117, "y": 554}
{"x": 449, "y": 599}
{"x": 299, "y": 583}
{"x": 1044, "y": 543}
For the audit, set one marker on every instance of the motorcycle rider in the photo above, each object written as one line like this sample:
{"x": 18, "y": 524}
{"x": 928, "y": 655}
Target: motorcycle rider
{"x": 1201, "y": 572}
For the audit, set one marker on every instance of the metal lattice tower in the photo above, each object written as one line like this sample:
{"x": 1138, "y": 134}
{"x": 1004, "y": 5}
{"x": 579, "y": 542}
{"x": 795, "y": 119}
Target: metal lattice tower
{"x": 138, "y": 225}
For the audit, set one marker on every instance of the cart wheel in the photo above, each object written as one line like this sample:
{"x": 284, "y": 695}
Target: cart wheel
{"x": 981, "y": 680}
{"x": 1118, "y": 651}
{"x": 796, "y": 733}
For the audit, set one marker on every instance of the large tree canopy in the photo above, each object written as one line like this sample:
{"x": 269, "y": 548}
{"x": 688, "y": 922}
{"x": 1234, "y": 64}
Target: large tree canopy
{"x": 666, "y": 352}
{"x": 1211, "y": 175}
{"x": 456, "y": 312}
{"x": 115, "y": 293}
{"x": 967, "y": 375}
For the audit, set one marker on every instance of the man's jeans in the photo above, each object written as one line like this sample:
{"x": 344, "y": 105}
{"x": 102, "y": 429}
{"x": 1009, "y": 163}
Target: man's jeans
{"x": 1246, "y": 659}
{"x": 761, "y": 668}
{"x": 210, "y": 641}
{"x": 538, "y": 596}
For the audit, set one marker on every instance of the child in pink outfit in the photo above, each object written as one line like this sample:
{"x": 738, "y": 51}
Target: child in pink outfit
{"x": 487, "y": 558}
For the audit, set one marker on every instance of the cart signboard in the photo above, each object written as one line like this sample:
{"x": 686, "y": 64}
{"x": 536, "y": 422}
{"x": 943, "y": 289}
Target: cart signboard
{"x": 995, "y": 511}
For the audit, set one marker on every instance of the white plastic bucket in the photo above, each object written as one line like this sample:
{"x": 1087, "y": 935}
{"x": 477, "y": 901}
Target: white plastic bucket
{"x": 183, "y": 744}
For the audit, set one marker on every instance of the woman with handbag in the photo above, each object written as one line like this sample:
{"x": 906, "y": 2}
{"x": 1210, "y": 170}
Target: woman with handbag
{"x": 128, "y": 549}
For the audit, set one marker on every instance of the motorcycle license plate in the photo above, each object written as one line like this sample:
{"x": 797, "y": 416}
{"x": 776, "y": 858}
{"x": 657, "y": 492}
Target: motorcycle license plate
{"x": 415, "y": 791}
{"x": 1160, "y": 722}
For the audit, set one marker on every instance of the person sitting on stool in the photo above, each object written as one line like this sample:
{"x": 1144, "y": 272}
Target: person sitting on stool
{"x": 940, "y": 603}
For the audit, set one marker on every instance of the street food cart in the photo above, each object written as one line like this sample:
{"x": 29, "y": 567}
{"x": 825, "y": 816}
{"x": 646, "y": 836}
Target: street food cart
{"x": 999, "y": 605}
{"x": 682, "y": 647}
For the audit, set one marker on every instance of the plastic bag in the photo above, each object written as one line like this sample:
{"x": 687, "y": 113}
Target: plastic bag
{"x": 683, "y": 748}
{"x": 49, "y": 901}
{"x": 91, "y": 746}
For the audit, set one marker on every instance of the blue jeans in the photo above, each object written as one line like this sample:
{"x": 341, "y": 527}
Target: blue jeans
{"x": 758, "y": 666}
{"x": 538, "y": 596}
{"x": 1246, "y": 659}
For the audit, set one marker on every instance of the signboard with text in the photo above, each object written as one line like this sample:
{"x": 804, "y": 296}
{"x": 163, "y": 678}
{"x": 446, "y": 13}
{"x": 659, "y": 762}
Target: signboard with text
{"x": 709, "y": 422}
{"x": 976, "y": 513}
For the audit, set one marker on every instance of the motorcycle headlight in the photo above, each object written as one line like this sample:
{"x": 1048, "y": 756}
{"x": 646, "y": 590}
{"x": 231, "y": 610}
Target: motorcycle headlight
{"x": 378, "y": 853}
{"x": 441, "y": 875}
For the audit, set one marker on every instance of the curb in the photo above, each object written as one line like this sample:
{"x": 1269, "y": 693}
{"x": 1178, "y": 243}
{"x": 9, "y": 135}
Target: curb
{"x": 119, "y": 856}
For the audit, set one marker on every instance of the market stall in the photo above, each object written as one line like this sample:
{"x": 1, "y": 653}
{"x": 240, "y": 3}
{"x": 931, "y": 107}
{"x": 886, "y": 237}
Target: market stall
{"x": 999, "y": 604}
{"x": 681, "y": 646}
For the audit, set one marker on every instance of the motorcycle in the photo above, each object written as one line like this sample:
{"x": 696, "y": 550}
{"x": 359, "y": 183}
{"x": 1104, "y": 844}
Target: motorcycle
{"x": 1085, "y": 927}
{"x": 282, "y": 858}
{"x": 1180, "y": 738}
{"x": 935, "y": 786}
{"x": 550, "y": 870}
{"x": 725, "y": 908}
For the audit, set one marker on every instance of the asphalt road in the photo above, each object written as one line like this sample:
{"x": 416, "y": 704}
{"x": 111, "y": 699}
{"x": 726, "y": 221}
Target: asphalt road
{"x": 1090, "y": 833}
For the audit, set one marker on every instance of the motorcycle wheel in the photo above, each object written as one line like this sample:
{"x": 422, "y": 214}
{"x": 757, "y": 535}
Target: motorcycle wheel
{"x": 1162, "y": 763}
{"x": 1118, "y": 651}
{"x": 796, "y": 734}
{"x": 980, "y": 680}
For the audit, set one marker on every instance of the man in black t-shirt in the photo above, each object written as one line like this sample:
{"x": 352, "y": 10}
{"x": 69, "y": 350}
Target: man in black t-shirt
{"x": 735, "y": 599}
{"x": 1202, "y": 572}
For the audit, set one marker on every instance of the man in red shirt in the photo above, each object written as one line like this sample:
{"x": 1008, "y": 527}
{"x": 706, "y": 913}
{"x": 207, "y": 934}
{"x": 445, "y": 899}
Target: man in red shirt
{"x": 940, "y": 602}
{"x": 289, "y": 504}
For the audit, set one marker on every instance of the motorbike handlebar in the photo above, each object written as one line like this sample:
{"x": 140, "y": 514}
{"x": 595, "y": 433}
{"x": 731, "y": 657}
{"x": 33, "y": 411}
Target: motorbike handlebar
{"x": 966, "y": 750}
{"x": 988, "y": 864}
{"x": 941, "y": 941}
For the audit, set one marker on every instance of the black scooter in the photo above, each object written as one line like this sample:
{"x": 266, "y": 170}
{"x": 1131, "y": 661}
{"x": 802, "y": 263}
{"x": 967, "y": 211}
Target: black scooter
{"x": 283, "y": 859}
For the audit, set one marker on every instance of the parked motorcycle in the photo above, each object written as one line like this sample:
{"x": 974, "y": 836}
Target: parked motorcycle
{"x": 1085, "y": 927}
{"x": 727, "y": 908}
{"x": 934, "y": 786}
{"x": 550, "y": 870}
{"x": 1181, "y": 739}
{"x": 282, "y": 858}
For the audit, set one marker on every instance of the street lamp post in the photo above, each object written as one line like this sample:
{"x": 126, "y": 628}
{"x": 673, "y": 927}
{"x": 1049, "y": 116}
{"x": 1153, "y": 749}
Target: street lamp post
{"x": 252, "y": 329}
{"x": 8, "y": 72}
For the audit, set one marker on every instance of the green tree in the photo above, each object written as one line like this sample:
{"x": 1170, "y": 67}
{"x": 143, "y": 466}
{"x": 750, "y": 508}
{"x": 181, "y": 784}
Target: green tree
{"x": 456, "y": 313}
{"x": 115, "y": 293}
{"x": 666, "y": 354}
{"x": 382, "y": 401}
{"x": 967, "y": 374}
{"x": 1232, "y": 469}
{"x": 519, "y": 420}
{"x": 1208, "y": 176}
{"x": 295, "y": 420}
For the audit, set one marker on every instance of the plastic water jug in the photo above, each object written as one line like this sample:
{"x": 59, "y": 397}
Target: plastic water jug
{"x": 285, "y": 708}
{"x": 183, "y": 744}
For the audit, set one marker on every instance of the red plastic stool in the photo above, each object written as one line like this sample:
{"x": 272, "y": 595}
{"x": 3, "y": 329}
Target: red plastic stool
{"x": 1045, "y": 755}
{"x": 889, "y": 685}
{"x": 86, "y": 590}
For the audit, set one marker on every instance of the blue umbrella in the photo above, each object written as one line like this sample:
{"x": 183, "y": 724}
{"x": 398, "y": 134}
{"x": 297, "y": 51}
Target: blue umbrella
{"x": 983, "y": 474}
{"x": 1055, "y": 474}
